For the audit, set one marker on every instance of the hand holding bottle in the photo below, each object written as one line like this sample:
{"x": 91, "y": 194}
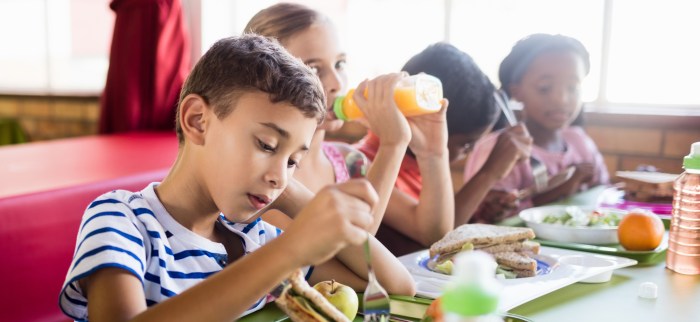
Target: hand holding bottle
{"x": 379, "y": 109}
{"x": 429, "y": 133}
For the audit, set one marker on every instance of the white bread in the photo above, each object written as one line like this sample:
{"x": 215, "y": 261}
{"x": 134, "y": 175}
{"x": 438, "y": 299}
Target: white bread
{"x": 528, "y": 246}
{"x": 479, "y": 235}
{"x": 516, "y": 260}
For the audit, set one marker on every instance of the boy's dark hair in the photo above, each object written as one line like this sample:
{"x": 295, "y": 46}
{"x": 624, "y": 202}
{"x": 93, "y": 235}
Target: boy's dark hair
{"x": 469, "y": 90}
{"x": 282, "y": 21}
{"x": 527, "y": 49}
{"x": 249, "y": 63}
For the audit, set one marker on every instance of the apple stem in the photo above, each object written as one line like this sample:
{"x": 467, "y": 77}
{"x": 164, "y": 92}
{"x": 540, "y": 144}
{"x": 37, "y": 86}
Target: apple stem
{"x": 333, "y": 286}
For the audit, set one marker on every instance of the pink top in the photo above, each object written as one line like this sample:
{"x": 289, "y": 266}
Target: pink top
{"x": 580, "y": 148}
{"x": 337, "y": 160}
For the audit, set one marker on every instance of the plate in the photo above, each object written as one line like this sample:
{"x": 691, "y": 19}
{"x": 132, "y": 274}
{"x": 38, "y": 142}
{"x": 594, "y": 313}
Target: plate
{"x": 545, "y": 264}
{"x": 517, "y": 291}
{"x": 569, "y": 234}
{"x": 643, "y": 257}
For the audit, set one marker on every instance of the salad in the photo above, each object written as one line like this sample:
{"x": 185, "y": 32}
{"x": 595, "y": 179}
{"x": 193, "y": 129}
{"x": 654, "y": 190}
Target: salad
{"x": 574, "y": 216}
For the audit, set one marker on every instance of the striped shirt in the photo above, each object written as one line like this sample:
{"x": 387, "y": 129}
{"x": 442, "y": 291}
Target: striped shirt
{"x": 134, "y": 232}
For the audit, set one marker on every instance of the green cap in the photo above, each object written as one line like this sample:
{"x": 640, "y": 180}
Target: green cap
{"x": 692, "y": 160}
{"x": 338, "y": 108}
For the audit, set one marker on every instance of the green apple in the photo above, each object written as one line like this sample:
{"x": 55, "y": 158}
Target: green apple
{"x": 343, "y": 297}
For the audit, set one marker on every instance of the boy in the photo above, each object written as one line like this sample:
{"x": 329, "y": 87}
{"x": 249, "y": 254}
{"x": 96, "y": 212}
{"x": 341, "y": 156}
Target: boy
{"x": 246, "y": 115}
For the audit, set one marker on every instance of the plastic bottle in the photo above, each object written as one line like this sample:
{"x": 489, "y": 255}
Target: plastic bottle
{"x": 414, "y": 95}
{"x": 683, "y": 254}
{"x": 474, "y": 292}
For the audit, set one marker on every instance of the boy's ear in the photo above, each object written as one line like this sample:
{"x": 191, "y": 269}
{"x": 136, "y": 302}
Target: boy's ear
{"x": 193, "y": 118}
{"x": 514, "y": 90}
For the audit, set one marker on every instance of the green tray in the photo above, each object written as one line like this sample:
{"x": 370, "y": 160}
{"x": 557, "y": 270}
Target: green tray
{"x": 642, "y": 257}
{"x": 405, "y": 307}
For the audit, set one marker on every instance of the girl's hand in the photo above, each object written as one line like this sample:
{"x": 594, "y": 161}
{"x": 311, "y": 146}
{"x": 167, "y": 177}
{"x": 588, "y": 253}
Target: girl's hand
{"x": 499, "y": 205}
{"x": 429, "y": 133}
{"x": 513, "y": 145}
{"x": 338, "y": 216}
{"x": 382, "y": 116}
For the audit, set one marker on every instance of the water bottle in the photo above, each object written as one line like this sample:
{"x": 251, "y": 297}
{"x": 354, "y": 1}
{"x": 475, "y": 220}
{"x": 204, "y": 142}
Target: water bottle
{"x": 683, "y": 254}
{"x": 473, "y": 294}
{"x": 414, "y": 95}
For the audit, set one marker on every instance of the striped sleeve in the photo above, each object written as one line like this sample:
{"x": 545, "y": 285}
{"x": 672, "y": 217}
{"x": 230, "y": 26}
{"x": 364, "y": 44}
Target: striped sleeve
{"x": 108, "y": 237}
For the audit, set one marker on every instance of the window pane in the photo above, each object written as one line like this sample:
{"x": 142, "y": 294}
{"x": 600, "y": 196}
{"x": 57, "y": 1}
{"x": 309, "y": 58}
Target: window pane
{"x": 23, "y": 59}
{"x": 54, "y": 46}
{"x": 380, "y": 36}
{"x": 655, "y": 52}
{"x": 487, "y": 29}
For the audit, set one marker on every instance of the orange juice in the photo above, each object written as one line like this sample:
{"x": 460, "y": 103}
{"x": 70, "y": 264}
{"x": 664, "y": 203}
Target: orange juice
{"x": 414, "y": 95}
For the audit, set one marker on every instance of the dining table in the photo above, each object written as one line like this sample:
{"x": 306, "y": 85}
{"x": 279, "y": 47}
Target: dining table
{"x": 677, "y": 296}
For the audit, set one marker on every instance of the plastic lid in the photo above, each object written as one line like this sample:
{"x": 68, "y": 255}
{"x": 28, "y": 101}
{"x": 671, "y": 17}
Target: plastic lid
{"x": 648, "y": 290}
{"x": 474, "y": 290}
{"x": 338, "y": 108}
{"x": 692, "y": 160}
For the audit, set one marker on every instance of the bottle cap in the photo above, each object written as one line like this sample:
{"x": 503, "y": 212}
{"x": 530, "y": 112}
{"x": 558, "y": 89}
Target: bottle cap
{"x": 648, "y": 290}
{"x": 692, "y": 160}
{"x": 338, "y": 108}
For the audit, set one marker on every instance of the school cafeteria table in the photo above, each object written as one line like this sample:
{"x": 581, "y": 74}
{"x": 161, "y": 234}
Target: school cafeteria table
{"x": 617, "y": 300}
{"x": 44, "y": 189}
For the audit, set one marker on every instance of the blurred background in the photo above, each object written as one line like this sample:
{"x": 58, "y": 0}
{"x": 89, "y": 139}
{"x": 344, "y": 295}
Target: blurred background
{"x": 54, "y": 57}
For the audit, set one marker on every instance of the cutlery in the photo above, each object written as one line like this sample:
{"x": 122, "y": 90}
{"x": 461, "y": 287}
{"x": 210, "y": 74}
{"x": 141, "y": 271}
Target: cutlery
{"x": 375, "y": 301}
{"x": 539, "y": 171}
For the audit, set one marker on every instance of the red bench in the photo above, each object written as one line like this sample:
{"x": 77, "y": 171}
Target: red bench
{"x": 44, "y": 189}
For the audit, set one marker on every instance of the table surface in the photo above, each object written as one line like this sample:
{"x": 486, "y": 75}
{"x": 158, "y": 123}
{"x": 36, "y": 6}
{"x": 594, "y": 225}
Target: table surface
{"x": 617, "y": 300}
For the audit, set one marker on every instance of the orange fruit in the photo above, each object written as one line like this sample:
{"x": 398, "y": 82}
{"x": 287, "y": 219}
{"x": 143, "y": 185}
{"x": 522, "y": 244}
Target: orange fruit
{"x": 434, "y": 312}
{"x": 640, "y": 230}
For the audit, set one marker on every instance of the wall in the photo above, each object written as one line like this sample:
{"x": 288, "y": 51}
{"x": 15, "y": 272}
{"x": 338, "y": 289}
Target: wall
{"x": 49, "y": 117}
{"x": 628, "y": 141}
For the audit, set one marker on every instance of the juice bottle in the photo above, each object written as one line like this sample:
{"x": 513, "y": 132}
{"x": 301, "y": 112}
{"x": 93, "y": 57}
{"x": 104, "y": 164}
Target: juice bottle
{"x": 414, "y": 95}
{"x": 683, "y": 254}
{"x": 474, "y": 292}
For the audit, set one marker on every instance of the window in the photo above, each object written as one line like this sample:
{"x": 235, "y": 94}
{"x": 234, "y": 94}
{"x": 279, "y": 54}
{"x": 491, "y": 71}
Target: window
{"x": 54, "y": 46}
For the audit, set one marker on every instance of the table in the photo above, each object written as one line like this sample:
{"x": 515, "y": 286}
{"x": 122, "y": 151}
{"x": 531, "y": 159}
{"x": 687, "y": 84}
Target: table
{"x": 678, "y": 295}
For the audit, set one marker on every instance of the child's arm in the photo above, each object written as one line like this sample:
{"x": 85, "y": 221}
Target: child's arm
{"x": 336, "y": 218}
{"x": 383, "y": 117}
{"x": 513, "y": 145}
{"x": 349, "y": 267}
{"x": 429, "y": 218}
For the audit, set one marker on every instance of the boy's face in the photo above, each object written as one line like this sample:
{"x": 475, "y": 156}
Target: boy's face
{"x": 250, "y": 154}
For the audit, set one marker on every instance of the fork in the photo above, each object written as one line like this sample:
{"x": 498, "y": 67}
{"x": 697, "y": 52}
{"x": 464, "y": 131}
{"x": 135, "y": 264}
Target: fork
{"x": 375, "y": 300}
{"x": 539, "y": 171}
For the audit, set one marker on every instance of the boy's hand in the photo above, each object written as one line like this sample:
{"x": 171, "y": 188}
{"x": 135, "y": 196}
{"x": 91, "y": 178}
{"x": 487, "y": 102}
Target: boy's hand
{"x": 429, "y": 132}
{"x": 337, "y": 217}
{"x": 513, "y": 144}
{"x": 382, "y": 116}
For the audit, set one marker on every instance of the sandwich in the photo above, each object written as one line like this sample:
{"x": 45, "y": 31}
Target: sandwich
{"x": 510, "y": 246}
{"x": 303, "y": 303}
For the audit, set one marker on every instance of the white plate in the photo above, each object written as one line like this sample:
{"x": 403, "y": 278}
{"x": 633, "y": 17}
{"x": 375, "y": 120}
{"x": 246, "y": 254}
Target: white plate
{"x": 571, "y": 267}
{"x": 569, "y": 234}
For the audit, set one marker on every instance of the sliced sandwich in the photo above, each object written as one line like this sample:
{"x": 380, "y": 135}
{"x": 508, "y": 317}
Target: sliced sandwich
{"x": 510, "y": 246}
{"x": 303, "y": 303}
